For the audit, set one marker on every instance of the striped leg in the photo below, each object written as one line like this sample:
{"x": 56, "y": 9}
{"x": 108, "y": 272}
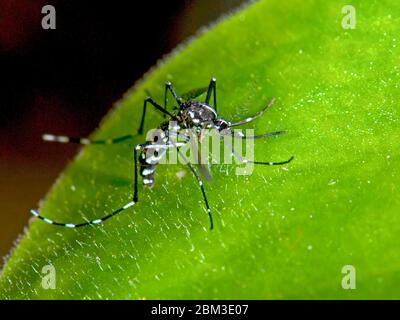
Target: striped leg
{"x": 83, "y": 224}
{"x": 98, "y": 221}
{"x": 258, "y": 114}
{"x": 240, "y": 135}
{"x": 85, "y": 141}
{"x": 242, "y": 160}
{"x": 135, "y": 183}
{"x": 197, "y": 176}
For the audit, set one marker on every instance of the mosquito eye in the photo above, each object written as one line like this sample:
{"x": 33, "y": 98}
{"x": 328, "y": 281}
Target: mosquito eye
{"x": 155, "y": 138}
{"x": 155, "y": 153}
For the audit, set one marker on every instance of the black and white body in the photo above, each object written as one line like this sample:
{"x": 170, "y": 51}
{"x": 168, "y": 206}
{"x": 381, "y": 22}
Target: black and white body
{"x": 192, "y": 116}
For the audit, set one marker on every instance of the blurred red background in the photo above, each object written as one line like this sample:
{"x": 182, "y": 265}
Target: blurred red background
{"x": 65, "y": 80}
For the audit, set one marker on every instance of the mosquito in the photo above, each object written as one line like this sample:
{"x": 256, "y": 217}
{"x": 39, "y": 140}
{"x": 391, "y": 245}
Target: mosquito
{"x": 191, "y": 114}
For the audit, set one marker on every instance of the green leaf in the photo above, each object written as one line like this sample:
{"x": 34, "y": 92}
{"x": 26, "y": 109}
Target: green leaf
{"x": 282, "y": 232}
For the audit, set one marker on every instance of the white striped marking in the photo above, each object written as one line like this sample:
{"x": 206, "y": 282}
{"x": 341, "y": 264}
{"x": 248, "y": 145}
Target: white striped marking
{"x": 47, "y": 220}
{"x": 148, "y": 171}
{"x": 130, "y": 204}
{"x": 85, "y": 141}
{"x": 62, "y": 139}
{"x": 70, "y": 225}
{"x": 48, "y": 137}
{"x": 97, "y": 221}
{"x": 34, "y": 213}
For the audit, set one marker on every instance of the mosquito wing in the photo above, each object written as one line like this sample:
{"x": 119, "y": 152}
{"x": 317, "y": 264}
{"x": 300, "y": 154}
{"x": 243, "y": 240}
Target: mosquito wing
{"x": 194, "y": 93}
{"x": 195, "y": 150}
{"x": 204, "y": 170}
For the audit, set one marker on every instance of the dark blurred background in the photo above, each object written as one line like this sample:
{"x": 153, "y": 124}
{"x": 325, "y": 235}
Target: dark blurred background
{"x": 65, "y": 80}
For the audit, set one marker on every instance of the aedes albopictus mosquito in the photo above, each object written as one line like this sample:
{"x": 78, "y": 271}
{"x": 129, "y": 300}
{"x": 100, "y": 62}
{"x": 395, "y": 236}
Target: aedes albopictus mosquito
{"x": 192, "y": 114}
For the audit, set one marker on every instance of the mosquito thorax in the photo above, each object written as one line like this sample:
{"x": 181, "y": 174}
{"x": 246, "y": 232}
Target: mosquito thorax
{"x": 197, "y": 114}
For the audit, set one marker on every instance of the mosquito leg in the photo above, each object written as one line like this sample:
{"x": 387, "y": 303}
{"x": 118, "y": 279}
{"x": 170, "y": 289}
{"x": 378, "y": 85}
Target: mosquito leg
{"x": 112, "y": 214}
{"x": 155, "y": 105}
{"x": 197, "y": 176}
{"x": 258, "y": 114}
{"x": 135, "y": 181}
{"x": 85, "y": 141}
{"x": 83, "y": 224}
{"x": 212, "y": 89}
{"x": 242, "y": 160}
{"x": 240, "y": 135}
{"x": 169, "y": 87}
